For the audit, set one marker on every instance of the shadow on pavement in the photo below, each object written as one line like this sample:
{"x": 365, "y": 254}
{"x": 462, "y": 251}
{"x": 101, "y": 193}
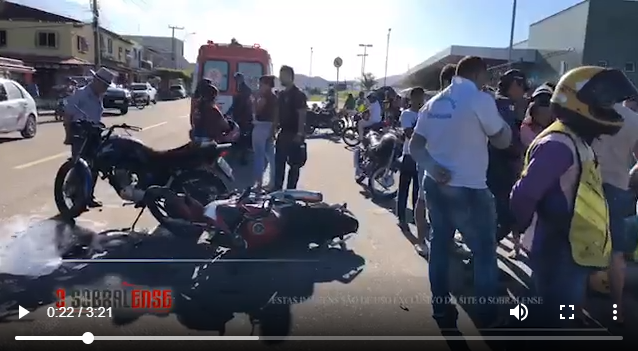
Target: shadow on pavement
{"x": 10, "y": 139}
{"x": 325, "y": 134}
{"x": 207, "y": 294}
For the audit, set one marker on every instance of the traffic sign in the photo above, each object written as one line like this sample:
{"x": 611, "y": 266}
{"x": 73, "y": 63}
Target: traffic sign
{"x": 22, "y": 312}
{"x": 337, "y": 62}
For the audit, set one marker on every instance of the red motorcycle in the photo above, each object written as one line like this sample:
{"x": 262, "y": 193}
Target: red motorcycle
{"x": 253, "y": 220}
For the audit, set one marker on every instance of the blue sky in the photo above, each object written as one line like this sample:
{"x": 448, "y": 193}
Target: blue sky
{"x": 288, "y": 28}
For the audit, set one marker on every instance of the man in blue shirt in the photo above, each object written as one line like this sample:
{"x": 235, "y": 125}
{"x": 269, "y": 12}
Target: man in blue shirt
{"x": 86, "y": 104}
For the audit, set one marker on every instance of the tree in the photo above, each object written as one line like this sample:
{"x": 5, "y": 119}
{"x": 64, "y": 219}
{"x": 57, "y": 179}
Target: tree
{"x": 368, "y": 81}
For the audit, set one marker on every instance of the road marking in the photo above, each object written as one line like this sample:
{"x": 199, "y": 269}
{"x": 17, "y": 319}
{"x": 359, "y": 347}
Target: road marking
{"x": 153, "y": 126}
{"x": 42, "y": 160}
{"x": 186, "y": 116}
{"x": 66, "y": 154}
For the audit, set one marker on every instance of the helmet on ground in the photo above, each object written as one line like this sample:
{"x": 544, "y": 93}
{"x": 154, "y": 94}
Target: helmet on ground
{"x": 586, "y": 99}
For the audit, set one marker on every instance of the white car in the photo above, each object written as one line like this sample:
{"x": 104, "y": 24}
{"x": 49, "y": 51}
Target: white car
{"x": 18, "y": 112}
{"x": 144, "y": 89}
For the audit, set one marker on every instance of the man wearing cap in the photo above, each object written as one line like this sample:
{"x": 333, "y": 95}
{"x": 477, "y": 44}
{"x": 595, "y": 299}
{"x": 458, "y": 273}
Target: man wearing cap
{"x": 86, "y": 104}
{"x": 242, "y": 113}
{"x": 504, "y": 164}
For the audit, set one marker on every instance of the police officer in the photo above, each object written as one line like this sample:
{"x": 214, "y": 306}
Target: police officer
{"x": 504, "y": 165}
{"x": 242, "y": 113}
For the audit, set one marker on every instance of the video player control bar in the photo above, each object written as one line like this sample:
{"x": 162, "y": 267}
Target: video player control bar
{"x": 88, "y": 338}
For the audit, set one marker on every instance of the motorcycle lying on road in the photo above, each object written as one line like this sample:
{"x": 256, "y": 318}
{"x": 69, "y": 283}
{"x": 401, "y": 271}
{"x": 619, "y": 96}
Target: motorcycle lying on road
{"x": 131, "y": 167}
{"x": 251, "y": 221}
{"x": 140, "y": 102}
{"x": 378, "y": 157}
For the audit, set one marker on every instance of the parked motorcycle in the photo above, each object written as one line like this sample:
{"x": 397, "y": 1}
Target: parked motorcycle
{"x": 321, "y": 119}
{"x": 131, "y": 167}
{"x": 343, "y": 121}
{"x": 379, "y": 159}
{"x": 59, "y": 109}
{"x": 250, "y": 220}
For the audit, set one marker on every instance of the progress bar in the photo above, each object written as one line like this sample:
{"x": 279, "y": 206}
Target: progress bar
{"x": 88, "y": 338}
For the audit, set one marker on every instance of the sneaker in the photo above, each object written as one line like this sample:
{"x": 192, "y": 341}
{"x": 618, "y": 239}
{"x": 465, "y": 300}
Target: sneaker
{"x": 94, "y": 204}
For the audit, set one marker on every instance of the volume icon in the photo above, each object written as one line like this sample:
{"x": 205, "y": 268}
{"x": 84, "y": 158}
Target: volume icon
{"x": 614, "y": 312}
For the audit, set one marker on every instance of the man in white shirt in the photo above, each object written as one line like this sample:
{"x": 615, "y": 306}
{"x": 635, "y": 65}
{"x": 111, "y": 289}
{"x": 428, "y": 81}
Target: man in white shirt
{"x": 408, "y": 172}
{"x": 615, "y": 155}
{"x": 450, "y": 143}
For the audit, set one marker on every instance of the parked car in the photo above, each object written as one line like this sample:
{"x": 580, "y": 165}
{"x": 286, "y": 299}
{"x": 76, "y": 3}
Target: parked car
{"x": 145, "y": 91}
{"x": 177, "y": 92}
{"x": 117, "y": 98}
{"x": 18, "y": 112}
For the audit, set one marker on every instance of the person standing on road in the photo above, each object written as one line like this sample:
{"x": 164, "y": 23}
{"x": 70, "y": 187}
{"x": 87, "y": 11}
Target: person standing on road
{"x": 420, "y": 215}
{"x": 264, "y": 127}
{"x": 450, "y": 143}
{"x": 559, "y": 200}
{"x": 615, "y": 153}
{"x": 408, "y": 171}
{"x": 504, "y": 164}
{"x": 290, "y": 147}
{"x": 242, "y": 112}
{"x": 86, "y": 104}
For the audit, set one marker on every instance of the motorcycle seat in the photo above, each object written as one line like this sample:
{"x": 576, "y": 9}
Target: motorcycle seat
{"x": 298, "y": 195}
{"x": 188, "y": 153}
{"x": 372, "y": 139}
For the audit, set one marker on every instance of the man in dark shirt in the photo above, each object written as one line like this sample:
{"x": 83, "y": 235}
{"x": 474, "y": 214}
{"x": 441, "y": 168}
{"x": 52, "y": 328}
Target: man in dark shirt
{"x": 290, "y": 147}
{"x": 242, "y": 112}
{"x": 505, "y": 164}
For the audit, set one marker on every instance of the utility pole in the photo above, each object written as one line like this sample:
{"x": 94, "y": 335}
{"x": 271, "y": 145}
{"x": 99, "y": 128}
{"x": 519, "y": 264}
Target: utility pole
{"x": 387, "y": 54}
{"x": 311, "y": 53}
{"x": 173, "y": 54}
{"x": 363, "y": 57}
{"x": 96, "y": 35}
{"x": 510, "y": 50}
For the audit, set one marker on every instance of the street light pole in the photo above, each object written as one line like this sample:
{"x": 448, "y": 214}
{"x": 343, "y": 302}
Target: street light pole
{"x": 312, "y": 51}
{"x": 363, "y": 57}
{"x": 387, "y": 53}
{"x": 510, "y": 51}
{"x": 173, "y": 54}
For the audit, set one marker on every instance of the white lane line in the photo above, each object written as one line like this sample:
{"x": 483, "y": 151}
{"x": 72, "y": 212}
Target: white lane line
{"x": 66, "y": 154}
{"x": 154, "y": 126}
{"x": 42, "y": 160}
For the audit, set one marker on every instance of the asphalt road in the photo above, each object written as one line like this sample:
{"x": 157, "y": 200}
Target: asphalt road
{"x": 377, "y": 287}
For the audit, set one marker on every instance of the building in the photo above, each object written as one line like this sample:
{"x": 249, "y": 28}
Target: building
{"x": 164, "y": 47}
{"x": 56, "y": 46}
{"x": 592, "y": 32}
{"x": 117, "y": 55}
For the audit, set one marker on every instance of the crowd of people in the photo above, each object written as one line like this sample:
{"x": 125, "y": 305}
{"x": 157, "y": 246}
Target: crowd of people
{"x": 549, "y": 166}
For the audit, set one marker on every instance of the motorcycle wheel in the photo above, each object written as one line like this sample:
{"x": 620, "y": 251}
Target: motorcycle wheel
{"x": 377, "y": 174}
{"x": 338, "y": 126}
{"x": 160, "y": 202}
{"x": 140, "y": 104}
{"x": 201, "y": 185}
{"x": 350, "y": 136}
{"x": 78, "y": 186}
{"x": 310, "y": 130}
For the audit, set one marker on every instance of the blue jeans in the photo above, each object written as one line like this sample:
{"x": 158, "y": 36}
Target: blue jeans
{"x": 263, "y": 149}
{"x": 621, "y": 204}
{"x": 473, "y": 213}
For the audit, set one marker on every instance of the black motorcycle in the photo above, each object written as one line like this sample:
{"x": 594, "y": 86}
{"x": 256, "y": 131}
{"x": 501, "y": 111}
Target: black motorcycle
{"x": 350, "y": 134}
{"x": 378, "y": 157}
{"x": 321, "y": 119}
{"x": 131, "y": 167}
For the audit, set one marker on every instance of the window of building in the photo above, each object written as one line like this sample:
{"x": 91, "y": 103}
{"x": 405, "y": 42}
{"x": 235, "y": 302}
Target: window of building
{"x": 602, "y": 63}
{"x": 3, "y": 38}
{"x": 46, "y": 39}
{"x": 109, "y": 45}
{"x": 82, "y": 44}
{"x": 119, "y": 53}
{"x": 630, "y": 67}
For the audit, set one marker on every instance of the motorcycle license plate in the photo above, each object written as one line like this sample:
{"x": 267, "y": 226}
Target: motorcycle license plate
{"x": 119, "y": 101}
{"x": 225, "y": 167}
